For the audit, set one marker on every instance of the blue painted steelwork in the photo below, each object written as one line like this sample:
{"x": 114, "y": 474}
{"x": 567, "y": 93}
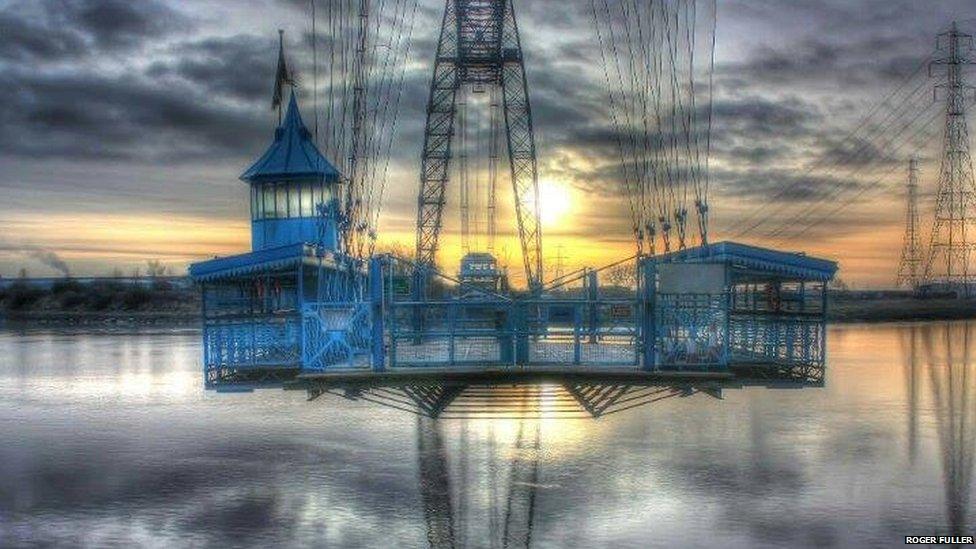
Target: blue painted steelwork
{"x": 293, "y": 154}
{"x": 298, "y": 306}
{"x": 287, "y": 184}
{"x": 769, "y": 315}
{"x": 459, "y": 326}
{"x": 294, "y": 303}
{"x": 271, "y": 259}
{"x": 759, "y": 260}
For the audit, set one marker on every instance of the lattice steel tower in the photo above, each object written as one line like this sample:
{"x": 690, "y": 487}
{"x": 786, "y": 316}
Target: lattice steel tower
{"x": 479, "y": 46}
{"x": 910, "y": 267}
{"x": 954, "y": 231}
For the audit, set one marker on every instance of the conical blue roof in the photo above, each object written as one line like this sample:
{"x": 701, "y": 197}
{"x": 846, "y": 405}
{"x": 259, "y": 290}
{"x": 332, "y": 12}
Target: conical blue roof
{"x": 293, "y": 153}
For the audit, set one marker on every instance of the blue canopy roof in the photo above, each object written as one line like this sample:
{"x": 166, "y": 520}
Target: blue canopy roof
{"x": 293, "y": 153}
{"x": 757, "y": 260}
{"x": 260, "y": 261}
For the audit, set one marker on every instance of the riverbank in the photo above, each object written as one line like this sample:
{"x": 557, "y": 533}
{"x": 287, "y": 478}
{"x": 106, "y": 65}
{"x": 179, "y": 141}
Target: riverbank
{"x": 73, "y": 304}
{"x": 86, "y": 319}
{"x": 897, "y": 308}
{"x": 68, "y": 302}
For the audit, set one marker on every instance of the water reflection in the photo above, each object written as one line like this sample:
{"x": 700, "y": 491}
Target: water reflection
{"x": 446, "y": 506}
{"x": 909, "y": 351}
{"x": 110, "y": 440}
{"x": 947, "y": 353}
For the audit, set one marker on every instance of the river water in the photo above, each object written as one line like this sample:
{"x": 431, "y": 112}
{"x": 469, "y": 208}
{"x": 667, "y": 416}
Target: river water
{"x": 109, "y": 439}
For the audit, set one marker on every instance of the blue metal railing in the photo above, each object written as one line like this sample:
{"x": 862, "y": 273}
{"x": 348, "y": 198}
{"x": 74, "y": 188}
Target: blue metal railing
{"x": 581, "y": 324}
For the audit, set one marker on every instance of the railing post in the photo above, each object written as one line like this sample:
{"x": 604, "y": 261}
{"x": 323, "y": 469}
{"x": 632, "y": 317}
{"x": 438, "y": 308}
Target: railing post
{"x": 521, "y": 334}
{"x": 823, "y": 322}
{"x": 577, "y": 328}
{"x": 648, "y": 324}
{"x": 418, "y": 294}
{"x": 592, "y": 296}
{"x": 729, "y": 306}
{"x": 505, "y": 328}
{"x": 376, "y": 313}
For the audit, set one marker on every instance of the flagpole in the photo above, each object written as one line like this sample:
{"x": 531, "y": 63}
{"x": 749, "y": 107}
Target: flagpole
{"x": 281, "y": 50}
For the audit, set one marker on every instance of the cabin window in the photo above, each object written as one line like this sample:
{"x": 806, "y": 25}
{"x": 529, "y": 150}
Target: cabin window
{"x": 307, "y": 209}
{"x": 294, "y": 200}
{"x": 281, "y": 201}
{"x": 268, "y": 209}
{"x": 325, "y": 193}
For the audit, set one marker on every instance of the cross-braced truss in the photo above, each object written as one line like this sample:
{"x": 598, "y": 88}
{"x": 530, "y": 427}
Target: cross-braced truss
{"x": 514, "y": 401}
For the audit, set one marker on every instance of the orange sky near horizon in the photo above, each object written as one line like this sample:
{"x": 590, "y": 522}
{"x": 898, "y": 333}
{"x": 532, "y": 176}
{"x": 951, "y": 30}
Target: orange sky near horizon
{"x": 97, "y": 244}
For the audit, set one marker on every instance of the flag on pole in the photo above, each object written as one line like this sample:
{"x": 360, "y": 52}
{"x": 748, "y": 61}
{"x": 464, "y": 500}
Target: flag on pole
{"x": 282, "y": 76}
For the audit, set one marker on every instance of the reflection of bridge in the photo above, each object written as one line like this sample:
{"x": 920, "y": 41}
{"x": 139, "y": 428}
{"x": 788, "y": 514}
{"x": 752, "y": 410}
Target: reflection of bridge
{"x": 457, "y": 483}
{"x": 446, "y": 503}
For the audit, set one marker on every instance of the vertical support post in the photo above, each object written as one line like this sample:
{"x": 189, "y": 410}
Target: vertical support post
{"x": 505, "y": 325}
{"x": 648, "y": 324}
{"x": 418, "y": 296}
{"x": 252, "y": 325}
{"x": 206, "y": 329}
{"x": 729, "y": 304}
{"x": 592, "y": 296}
{"x": 376, "y": 313}
{"x": 823, "y": 323}
{"x": 521, "y": 334}
{"x": 300, "y": 307}
{"x": 452, "y": 330}
{"x": 577, "y": 329}
{"x": 802, "y": 325}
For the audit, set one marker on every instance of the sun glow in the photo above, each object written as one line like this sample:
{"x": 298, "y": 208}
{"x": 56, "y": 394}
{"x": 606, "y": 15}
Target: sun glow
{"x": 556, "y": 202}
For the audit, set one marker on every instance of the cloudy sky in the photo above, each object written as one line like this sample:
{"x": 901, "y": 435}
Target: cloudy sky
{"x": 124, "y": 126}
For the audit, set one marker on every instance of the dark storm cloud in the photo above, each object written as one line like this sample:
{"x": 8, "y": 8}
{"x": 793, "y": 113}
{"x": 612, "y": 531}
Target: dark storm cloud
{"x": 25, "y": 38}
{"x": 92, "y": 116}
{"x": 224, "y": 66}
{"x": 51, "y": 30}
{"x": 116, "y": 24}
{"x": 817, "y": 61}
{"x": 780, "y": 184}
{"x": 857, "y": 152}
{"x": 763, "y": 118}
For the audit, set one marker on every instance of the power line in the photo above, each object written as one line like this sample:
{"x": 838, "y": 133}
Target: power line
{"x": 754, "y": 220}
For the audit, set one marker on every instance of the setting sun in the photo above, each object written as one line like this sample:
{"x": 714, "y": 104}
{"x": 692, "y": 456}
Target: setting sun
{"x": 556, "y": 202}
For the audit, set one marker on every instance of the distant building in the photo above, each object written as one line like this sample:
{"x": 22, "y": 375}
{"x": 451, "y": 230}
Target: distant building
{"x": 480, "y": 273}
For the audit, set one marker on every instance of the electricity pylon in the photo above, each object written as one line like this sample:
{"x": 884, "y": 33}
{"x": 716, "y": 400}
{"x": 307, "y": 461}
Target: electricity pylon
{"x": 951, "y": 249}
{"x": 910, "y": 267}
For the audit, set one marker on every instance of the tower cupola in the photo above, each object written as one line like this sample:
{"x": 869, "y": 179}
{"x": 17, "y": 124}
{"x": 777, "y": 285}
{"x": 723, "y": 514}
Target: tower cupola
{"x": 288, "y": 182}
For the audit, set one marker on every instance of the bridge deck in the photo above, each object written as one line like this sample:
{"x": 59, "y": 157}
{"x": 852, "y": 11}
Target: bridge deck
{"x": 507, "y": 375}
